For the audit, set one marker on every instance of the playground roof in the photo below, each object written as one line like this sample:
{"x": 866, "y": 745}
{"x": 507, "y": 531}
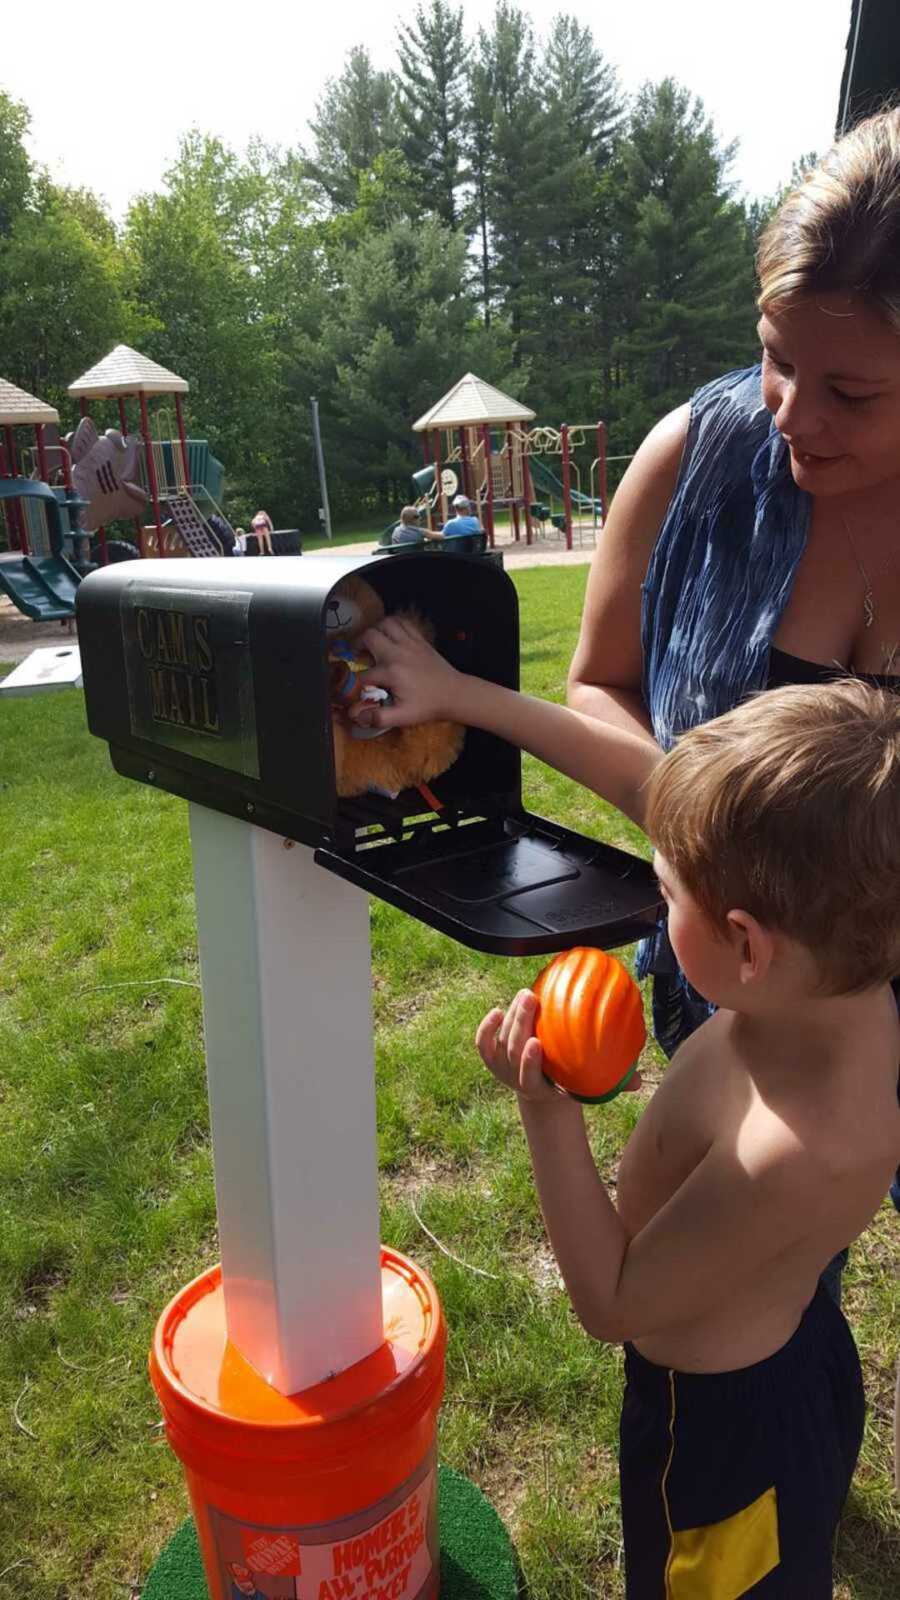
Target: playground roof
{"x": 126, "y": 371}
{"x": 471, "y": 400}
{"x": 18, "y": 409}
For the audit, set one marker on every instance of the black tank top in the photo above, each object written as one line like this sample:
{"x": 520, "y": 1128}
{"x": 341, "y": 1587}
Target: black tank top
{"x": 784, "y": 669}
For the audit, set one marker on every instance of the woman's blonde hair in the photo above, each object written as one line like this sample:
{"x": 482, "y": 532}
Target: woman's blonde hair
{"x": 839, "y": 230}
{"x": 789, "y": 807}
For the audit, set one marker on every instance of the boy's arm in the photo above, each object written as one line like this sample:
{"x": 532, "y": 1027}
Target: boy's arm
{"x": 736, "y": 1210}
{"x": 713, "y": 1235}
{"x": 612, "y": 761}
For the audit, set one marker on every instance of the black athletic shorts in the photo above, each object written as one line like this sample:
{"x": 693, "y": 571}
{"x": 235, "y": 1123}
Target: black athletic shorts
{"x": 733, "y": 1482}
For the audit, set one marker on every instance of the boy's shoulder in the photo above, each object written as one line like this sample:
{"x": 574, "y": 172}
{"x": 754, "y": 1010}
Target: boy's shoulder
{"x": 812, "y": 1116}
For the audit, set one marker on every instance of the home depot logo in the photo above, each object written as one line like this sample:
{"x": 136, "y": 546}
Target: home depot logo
{"x": 278, "y": 1554}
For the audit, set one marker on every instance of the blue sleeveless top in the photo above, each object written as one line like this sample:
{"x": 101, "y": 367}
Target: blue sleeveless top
{"x": 718, "y": 581}
{"x": 724, "y": 562}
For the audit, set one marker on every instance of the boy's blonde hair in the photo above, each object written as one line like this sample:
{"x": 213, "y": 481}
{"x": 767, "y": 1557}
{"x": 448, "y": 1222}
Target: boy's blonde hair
{"x": 839, "y": 230}
{"x": 789, "y": 807}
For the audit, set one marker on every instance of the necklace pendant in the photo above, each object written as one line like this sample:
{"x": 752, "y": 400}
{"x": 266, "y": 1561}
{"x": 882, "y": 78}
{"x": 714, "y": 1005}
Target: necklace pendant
{"x": 868, "y": 608}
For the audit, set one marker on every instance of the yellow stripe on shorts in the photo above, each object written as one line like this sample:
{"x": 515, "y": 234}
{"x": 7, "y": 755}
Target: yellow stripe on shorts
{"x": 724, "y": 1559}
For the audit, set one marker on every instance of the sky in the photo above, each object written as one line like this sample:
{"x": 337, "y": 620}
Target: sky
{"x": 111, "y": 89}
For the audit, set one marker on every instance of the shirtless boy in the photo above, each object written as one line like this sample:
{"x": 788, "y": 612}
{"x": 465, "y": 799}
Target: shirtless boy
{"x": 773, "y": 1137}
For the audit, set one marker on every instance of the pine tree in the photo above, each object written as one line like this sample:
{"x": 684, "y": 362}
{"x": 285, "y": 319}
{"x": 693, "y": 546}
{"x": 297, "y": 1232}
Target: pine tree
{"x": 584, "y": 112}
{"x": 355, "y": 122}
{"x": 685, "y": 288}
{"x": 518, "y": 163}
{"x": 431, "y": 103}
{"x": 583, "y": 88}
{"x": 398, "y": 330}
{"x": 479, "y": 142}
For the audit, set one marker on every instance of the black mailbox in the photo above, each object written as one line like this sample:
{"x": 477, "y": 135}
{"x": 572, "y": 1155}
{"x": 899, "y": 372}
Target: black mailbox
{"x": 209, "y": 679}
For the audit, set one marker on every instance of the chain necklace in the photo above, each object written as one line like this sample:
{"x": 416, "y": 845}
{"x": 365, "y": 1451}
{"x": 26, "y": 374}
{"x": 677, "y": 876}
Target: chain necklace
{"x": 888, "y": 652}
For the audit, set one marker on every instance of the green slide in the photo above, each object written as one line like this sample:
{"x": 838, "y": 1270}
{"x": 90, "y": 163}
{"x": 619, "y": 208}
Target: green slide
{"x": 41, "y": 586}
{"x": 27, "y": 589}
{"x": 543, "y": 478}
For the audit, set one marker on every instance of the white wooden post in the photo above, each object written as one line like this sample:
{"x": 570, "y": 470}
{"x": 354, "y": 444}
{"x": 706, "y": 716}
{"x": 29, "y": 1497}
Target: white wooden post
{"x": 284, "y": 960}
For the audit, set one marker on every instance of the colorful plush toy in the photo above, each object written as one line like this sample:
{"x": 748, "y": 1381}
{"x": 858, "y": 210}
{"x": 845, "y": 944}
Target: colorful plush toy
{"x": 591, "y": 1023}
{"x": 377, "y": 761}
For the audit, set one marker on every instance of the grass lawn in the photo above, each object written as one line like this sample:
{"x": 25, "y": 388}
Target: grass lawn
{"x": 106, "y": 1194}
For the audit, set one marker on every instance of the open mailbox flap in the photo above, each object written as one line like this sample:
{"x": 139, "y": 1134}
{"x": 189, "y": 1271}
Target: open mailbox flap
{"x": 512, "y": 887}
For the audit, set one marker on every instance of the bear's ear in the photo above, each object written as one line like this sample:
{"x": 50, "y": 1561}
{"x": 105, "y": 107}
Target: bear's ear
{"x": 367, "y": 601}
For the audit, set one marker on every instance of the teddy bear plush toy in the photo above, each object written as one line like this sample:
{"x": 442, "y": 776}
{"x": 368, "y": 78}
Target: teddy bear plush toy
{"x": 367, "y": 760}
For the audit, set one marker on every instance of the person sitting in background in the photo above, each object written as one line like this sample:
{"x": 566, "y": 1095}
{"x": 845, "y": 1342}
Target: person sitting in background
{"x": 408, "y": 530}
{"x": 462, "y": 525}
{"x": 240, "y": 542}
{"x": 263, "y": 527}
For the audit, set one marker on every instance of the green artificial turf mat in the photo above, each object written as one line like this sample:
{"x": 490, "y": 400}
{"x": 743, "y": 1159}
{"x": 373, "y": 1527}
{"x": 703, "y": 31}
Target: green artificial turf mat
{"x": 477, "y": 1558}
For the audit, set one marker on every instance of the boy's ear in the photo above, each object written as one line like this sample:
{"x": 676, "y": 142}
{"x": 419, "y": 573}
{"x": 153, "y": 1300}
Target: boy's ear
{"x": 752, "y": 944}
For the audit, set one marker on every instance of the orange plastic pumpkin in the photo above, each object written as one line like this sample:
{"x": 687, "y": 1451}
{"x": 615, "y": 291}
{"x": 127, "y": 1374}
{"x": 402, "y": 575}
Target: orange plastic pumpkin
{"x": 591, "y": 1023}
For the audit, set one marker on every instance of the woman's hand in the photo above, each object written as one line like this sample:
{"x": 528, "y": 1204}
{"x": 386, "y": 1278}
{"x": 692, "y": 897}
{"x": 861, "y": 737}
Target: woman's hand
{"x": 422, "y": 684}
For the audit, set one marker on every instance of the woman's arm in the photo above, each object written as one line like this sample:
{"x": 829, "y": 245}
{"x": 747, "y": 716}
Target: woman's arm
{"x": 606, "y": 670}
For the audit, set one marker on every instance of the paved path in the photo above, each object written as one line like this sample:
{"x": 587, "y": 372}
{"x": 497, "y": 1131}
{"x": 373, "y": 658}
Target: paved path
{"x": 19, "y": 635}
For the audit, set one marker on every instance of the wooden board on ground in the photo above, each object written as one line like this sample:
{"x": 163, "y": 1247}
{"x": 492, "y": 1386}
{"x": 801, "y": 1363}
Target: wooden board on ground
{"x": 56, "y": 668}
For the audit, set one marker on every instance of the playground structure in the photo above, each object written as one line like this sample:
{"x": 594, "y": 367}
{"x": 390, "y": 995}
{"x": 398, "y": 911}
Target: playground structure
{"x": 477, "y": 437}
{"x": 57, "y": 494}
{"x": 181, "y": 478}
{"x": 36, "y": 575}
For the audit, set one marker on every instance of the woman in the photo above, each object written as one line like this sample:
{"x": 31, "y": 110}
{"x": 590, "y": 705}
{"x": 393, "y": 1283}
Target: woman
{"x": 263, "y": 528}
{"x": 755, "y": 538}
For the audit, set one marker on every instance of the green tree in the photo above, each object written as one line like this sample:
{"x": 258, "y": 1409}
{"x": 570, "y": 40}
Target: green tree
{"x": 15, "y": 166}
{"x": 61, "y": 303}
{"x": 355, "y": 121}
{"x": 431, "y": 103}
{"x": 478, "y": 149}
{"x": 516, "y": 160}
{"x": 583, "y": 89}
{"x": 684, "y": 279}
{"x": 228, "y": 269}
{"x": 563, "y": 337}
{"x": 537, "y": 188}
{"x": 200, "y": 304}
{"x": 399, "y": 329}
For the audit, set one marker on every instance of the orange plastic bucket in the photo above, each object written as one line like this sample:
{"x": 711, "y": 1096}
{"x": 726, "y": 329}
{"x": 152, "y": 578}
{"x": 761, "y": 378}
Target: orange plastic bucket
{"x": 328, "y": 1494}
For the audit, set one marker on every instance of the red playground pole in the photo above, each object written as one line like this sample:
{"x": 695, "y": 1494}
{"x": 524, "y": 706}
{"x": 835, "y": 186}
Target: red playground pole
{"x": 567, "y": 483}
{"x": 184, "y": 449}
{"x": 82, "y": 406}
{"x": 439, "y": 492}
{"x": 41, "y": 451}
{"x": 601, "y": 469}
{"x": 489, "y": 502}
{"x": 16, "y": 515}
{"x": 151, "y": 472}
{"x": 512, "y": 481}
{"x": 526, "y": 485}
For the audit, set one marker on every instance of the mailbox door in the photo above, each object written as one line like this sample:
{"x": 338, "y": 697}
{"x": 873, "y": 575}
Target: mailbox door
{"x": 513, "y": 887}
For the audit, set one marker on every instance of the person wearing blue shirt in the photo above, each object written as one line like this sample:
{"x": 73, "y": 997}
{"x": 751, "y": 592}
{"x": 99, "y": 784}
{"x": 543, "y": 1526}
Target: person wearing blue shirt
{"x": 462, "y": 525}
